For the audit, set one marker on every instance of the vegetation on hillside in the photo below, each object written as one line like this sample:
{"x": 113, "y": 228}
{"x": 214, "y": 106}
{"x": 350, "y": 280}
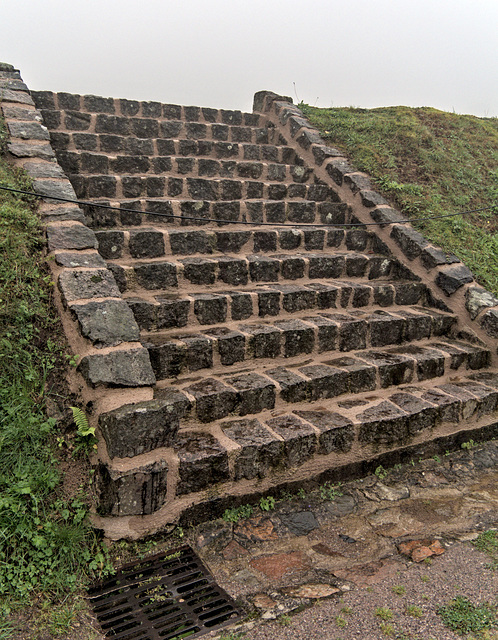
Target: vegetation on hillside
{"x": 47, "y": 548}
{"x": 428, "y": 163}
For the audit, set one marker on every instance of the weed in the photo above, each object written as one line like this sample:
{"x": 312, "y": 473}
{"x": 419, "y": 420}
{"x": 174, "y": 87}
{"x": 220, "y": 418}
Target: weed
{"x": 347, "y": 611}
{"x": 341, "y": 622}
{"x": 463, "y": 617}
{"x": 384, "y": 613}
{"x": 284, "y": 620}
{"x": 267, "y": 504}
{"x": 238, "y": 513}
{"x": 387, "y": 629}
{"x": 436, "y": 458}
{"x": 398, "y": 589}
{"x": 329, "y": 491}
{"x": 414, "y": 611}
{"x": 488, "y": 543}
{"x": 470, "y": 444}
{"x": 380, "y": 472}
{"x": 424, "y": 578}
{"x": 301, "y": 493}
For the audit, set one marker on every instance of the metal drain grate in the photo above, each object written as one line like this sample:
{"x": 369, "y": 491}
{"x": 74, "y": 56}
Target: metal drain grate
{"x": 169, "y": 595}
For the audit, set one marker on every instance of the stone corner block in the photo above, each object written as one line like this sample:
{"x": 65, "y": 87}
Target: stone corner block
{"x": 452, "y": 278}
{"x": 489, "y": 322}
{"x": 476, "y": 299}
{"x": 76, "y": 284}
{"x": 371, "y": 198}
{"x": 70, "y": 236}
{"x": 337, "y": 168}
{"x": 264, "y": 99}
{"x": 56, "y": 189}
{"x": 127, "y": 368}
{"x": 410, "y": 242}
{"x": 106, "y": 323}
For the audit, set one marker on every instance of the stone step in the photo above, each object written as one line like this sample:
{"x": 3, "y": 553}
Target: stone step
{"x": 207, "y": 189}
{"x": 312, "y": 437}
{"x": 194, "y": 213}
{"x": 172, "y": 275}
{"x": 159, "y": 241}
{"x": 128, "y": 167}
{"x": 182, "y": 353}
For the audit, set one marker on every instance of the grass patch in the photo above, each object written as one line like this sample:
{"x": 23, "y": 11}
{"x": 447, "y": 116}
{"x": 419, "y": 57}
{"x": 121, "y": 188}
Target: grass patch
{"x": 464, "y": 617}
{"x": 48, "y": 548}
{"x": 488, "y": 542}
{"x": 428, "y": 162}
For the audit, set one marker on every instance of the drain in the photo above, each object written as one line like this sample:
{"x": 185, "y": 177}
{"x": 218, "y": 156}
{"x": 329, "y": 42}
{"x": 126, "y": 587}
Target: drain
{"x": 167, "y": 596}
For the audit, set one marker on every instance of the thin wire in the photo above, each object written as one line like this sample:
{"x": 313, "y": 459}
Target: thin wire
{"x": 259, "y": 224}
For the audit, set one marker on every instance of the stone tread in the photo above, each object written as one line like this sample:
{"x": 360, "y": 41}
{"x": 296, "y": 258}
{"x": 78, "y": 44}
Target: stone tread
{"x": 339, "y": 331}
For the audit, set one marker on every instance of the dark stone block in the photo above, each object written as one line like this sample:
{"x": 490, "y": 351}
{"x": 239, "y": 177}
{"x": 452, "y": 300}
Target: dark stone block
{"x": 274, "y": 212}
{"x": 51, "y": 118}
{"x": 130, "y": 164}
{"x": 448, "y": 406}
{"x": 110, "y": 244}
{"x": 69, "y": 101}
{"x": 277, "y": 192}
{"x": 172, "y": 111}
{"x": 362, "y": 377}
{"x": 201, "y": 189}
{"x": 126, "y": 368}
{"x": 411, "y": 242}
{"x": 293, "y": 388}
{"x": 94, "y": 283}
{"x": 314, "y": 239}
{"x": 326, "y": 266}
{"x": 213, "y": 399}
{"x": 199, "y": 270}
{"x": 379, "y": 267}
{"x": 289, "y": 239}
{"x": 156, "y": 275}
{"x": 385, "y": 329}
{"x": 383, "y": 424}
{"x": 300, "y": 440}
{"x": 336, "y": 431}
{"x": 269, "y": 153}
{"x": 263, "y": 341}
{"x": 357, "y": 239}
{"x": 195, "y": 212}
{"x": 442, "y": 323}
{"x": 220, "y": 132}
{"x": 337, "y": 169}
{"x": 241, "y": 134}
{"x": 97, "y": 104}
{"x": 146, "y": 243}
{"x": 84, "y": 141}
{"x": 144, "y": 127}
{"x": 192, "y": 114}
{"x": 185, "y": 165}
{"x": 297, "y": 191}
{"x": 226, "y": 150}
{"x": 231, "y": 241}
{"x": 394, "y": 370}
{"x": 489, "y": 322}
{"x": 325, "y": 381}
{"x": 231, "y": 117}
{"x": 352, "y": 332}
{"x": 199, "y": 354}
{"x": 327, "y": 333}
{"x": 265, "y": 241}
{"x": 421, "y": 415}
{"x": 151, "y": 109}
{"x": 371, "y": 198}
{"x": 255, "y": 393}
{"x": 43, "y": 99}
{"x": 231, "y": 345}
{"x": 132, "y": 186}
{"x": 292, "y": 267}
{"x": 134, "y": 429}
{"x": 251, "y": 170}
{"x": 209, "y": 115}
{"x": 155, "y": 187}
{"x": 300, "y": 523}
{"x": 452, "y": 278}
{"x": 260, "y": 450}
{"x": 241, "y": 306}
{"x": 385, "y": 216}
{"x": 356, "y": 266}
{"x": 298, "y": 337}
{"x": 408, "y": 293}
{"x": 297, "y": 298}
{"x": 226, "y": 212}
{"x": 112, "y": 124}
{"x": 188, "y": 242}
{"x": 165, "y": 147}
{"x": 232, "y": 271}
{"x": 255, "y": 211}
{"x": 307, "y": 137}
{"x": 93, "y": 163}
{"x": 110, "y": 143}
{"x": 195, "y": 130}
{"x": 167, "y": 359}
{"x": 433, "y": 256}
{"x": 263, "y": 269}
{"x": 332, "y": 213}
{"x": 203, "y": 462}
{"x": 172, "y": 312}
{"x": 101, "y": 187}
{"x": 210, "y": 309}
{"x": 119, "y": 276}
{"x": 416, "y": 325}
{"x": 129, "y": 107}
{"x": 268, "y": 303}
{"x": 77, "y": 121}
{"x": 252, "y": 152}
{"x": 106, "y": 323}
{"x": 430, "y": 363}
{"x": 302, "y": 212}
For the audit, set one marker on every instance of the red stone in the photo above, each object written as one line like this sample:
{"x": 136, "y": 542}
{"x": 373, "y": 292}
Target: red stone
{"x": 280, "y": 564}
{"x": 234, "y": 550}
{"x": 257, "y": 529}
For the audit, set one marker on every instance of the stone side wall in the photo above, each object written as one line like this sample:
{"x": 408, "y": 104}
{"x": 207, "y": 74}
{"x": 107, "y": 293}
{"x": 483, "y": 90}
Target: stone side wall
{"x": 445, "y": 274}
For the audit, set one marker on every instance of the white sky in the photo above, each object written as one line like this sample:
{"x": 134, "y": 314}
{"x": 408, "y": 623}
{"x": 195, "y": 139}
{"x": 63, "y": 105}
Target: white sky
{"x": 218, "y": 53}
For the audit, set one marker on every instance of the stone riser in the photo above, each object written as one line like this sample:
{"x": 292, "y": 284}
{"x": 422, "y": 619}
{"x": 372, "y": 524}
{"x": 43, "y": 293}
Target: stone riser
{"x": 194, "y": 213}
{"x": 161, "y": 241}
{"x": 188, "y": 352}
{"x": 261, "y": 455}
{"x": 170, "y": 276}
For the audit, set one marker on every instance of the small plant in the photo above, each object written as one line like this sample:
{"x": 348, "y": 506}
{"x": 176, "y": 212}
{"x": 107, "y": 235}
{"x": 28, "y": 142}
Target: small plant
{"x": 341, "y": 622}
{"x": 329, "y": 491}
{"x": 387, "y": 629}
{"x": 267, "y": 504}
{"x": 284, "y": 620}
{"x": 470, "y": 444}
{"x": 424, "y": 578}
{"x": 347, "y": 611}
{"x": 488, "y": 543}
{"x": 414, "y": 611}
{"x": 463, "y": 617}
{"x": 384, "y": 613}
{"x": 238, "y": 513}
{"x": 301, "y": 494}
{"x": 85, "y": 434}
{"x": 380, "y": 472}
{"x": 398, "y": 589}
{"x": 436, "y": 458}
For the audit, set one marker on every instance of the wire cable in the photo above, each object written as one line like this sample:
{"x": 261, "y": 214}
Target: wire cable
{"x": 254, "y": 224}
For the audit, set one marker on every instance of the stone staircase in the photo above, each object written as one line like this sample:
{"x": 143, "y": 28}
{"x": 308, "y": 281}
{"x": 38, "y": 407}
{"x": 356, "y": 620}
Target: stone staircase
{"x": 285, "y": 347}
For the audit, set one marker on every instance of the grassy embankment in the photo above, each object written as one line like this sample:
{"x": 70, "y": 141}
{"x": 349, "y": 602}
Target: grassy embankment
{"x": 427, "y": 163}
{"x": 47, "y": 549}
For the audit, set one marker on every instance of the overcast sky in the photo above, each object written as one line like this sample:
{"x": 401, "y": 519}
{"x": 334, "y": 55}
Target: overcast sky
{"x": 218, "y": 53}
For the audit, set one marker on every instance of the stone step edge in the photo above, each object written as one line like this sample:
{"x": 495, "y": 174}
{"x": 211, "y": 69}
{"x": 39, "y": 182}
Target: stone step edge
{"x": 212, "y": 501}
{"x": 448, "y": 274}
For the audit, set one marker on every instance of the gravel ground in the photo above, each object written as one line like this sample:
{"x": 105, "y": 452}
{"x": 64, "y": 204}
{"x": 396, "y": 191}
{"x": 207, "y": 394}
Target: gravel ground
{"x": 460, "y": 571}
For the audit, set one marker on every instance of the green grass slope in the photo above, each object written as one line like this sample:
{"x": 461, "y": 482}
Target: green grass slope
{"x": 428, "y": 163}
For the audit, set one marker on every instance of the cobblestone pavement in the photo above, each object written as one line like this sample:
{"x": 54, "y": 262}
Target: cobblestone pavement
{"x": 338, "y": 542}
